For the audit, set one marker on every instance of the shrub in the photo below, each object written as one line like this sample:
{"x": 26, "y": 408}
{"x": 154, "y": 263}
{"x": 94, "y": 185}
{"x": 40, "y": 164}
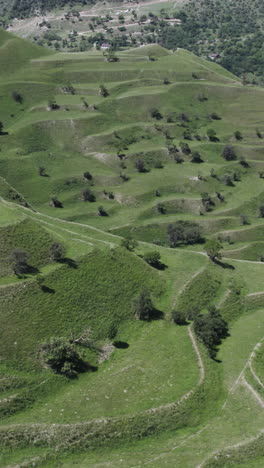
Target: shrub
{"x": 152, "y": 258}
{"x": 129, "y": 243}
{"x": 184, "y": 232}
{"x": 103, "y": 91}
{"x": 212, "y": 135}
{"x": 55, "y": 202}
{"x": 140, "y": 166}
{"x": 196, "y": 158}
{"x": 87, "y": 195}
{"x": 101, "y": 211}
{"x": 185, "y": 148}
{"x": 62, "y": 357}
{"x": 87, "y": 175}
{"x": 57, "y": 251}
{"x": 212, "y": 247}
{"x": 179, "y": 317}
{"x": 17, "y": 97}
{"x": 210, "y": 328}
{"x": 229, "y": 153}
{"x": 52, "y": 105}
{"x": 143, "y": 306}
{"x": 19, "y": 261}
{"x": 238, "y": 135}
{"x": 155, "y": 114}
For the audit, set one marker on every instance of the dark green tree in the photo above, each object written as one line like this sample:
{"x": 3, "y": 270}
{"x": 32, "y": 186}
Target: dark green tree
{"x": 143, "y": 306}
{"x": 213, "y": 247}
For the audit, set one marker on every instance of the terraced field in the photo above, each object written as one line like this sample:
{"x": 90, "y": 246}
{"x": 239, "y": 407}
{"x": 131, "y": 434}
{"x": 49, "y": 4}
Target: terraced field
{"x": 158, "y": 399}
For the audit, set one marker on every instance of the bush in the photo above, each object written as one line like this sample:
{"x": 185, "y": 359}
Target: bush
{"x": 152, "y": 258}
{"x": 87, "y": 195}
{"x": 155, "y": 114}
{"x": 140, "y": 166}
{"x": 62, "y": 357}
{"x": 87, "y": 175}
{"x": 57, "y": 251}
{"x": 179, "y": 317}
{"x": 196, "y": 158}
{"x": 143, "y": 306}
{"x": 19, "y": 261}
{"x": 229, "y": 153}
{"x": 17, "y": 97}
{"x": 212, "y": 135}
{"x": 212, "y": 248}
{"x": 238, "y": 135}
{"x": 184, "y": 232}
{"x": 101, "y": 211}
{"x": 210, "y": 328}
{"x": 103, "y": 91}
{"x": 129, "y": 243}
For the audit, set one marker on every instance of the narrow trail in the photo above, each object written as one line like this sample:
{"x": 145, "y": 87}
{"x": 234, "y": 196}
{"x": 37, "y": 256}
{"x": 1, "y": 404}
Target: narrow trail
{"x": 253, "y": 392}
{"x": 242, "y": 373}
{"x": 239, "y": 444}
{"x": 185, "y": 286}
{"x": 198, "y": 354}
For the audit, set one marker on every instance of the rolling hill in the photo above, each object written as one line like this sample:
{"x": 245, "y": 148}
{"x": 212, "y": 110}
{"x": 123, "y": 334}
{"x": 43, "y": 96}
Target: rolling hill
{"x": 95, "y": 152}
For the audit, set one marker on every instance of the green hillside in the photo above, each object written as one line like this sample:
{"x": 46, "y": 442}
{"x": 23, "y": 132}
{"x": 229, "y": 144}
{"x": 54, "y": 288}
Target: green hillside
{"x": 103, "y": 163}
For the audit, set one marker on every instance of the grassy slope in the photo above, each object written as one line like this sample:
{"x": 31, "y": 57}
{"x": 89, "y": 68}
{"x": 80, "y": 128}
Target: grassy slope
{"x": 67, "y": 143}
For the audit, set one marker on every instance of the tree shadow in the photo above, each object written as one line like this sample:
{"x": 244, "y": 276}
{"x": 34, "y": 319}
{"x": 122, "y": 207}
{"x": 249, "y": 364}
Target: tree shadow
{"x": 120, "y": 344}
{"x": 68, "y": 261}
{"x": 224, "y": 265}
{"x": 46, "y": 289}
{"x": 156, "y": 314}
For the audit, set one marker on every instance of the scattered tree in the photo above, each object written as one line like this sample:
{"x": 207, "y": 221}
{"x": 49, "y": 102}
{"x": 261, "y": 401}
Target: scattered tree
{"x": 153, "y": 258}
{"x": 196, "y": 158}
{"x": 87, "y": 175}
{"x": 238, "y": 135}
{"x": 57, "y": 251}
{"x": 101, "y": 211}
{"x": 261, "y": 211}
{"x": 55, "y": 202}
{"x": 42, "y": 171}
{"x": 52, "y": 105}
{"x": 17, "y": 97}
{"x": 184, "y": 232}
{"x": 88, "y": 195}
{"x": 143, "y": 306}
{"x": 129, "y": 243}
{"x": 140, "y": 166}
{"x": 210, "y": 328}
{"x": 166, "y": 81}
{"x": 179, "y": 317}
{"x": 229, "y": 153}
{"x": 155, "y": 114}
{"x": 62, "y": 357}
{"x": 212, "y": 247}
{"x": 19, "y": 261}
{"x": 211, "y": 133}
{"x": 243, "y": 219}
{"x": 103, "y": 91}
{"x": 185, "y": 149}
